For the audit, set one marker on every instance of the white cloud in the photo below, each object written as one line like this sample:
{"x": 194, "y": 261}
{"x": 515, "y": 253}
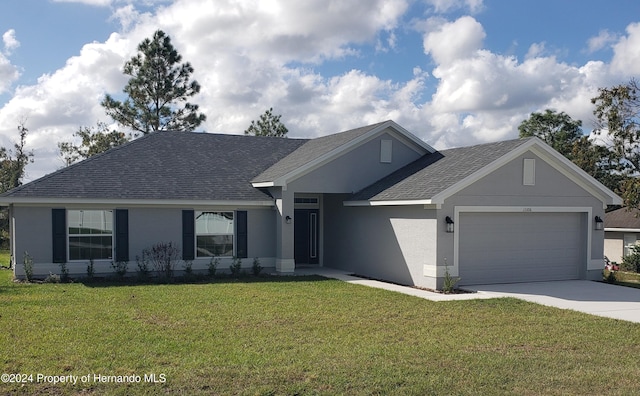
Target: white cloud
{"x": 483, "y": 96}
{"x": 9, "y": 73}
{"x": 445, "y": 6}
{"x": 536, "y": 50}
{"x": 626, "y": 57}
{"x": 454, "y": 40}
{"x": 10, "y": 42}
{"x": 603, "y": 39}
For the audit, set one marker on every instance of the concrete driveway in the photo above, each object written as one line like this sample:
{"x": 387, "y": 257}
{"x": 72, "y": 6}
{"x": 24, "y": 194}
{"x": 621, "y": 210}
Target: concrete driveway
{"x": 594, "y": 298}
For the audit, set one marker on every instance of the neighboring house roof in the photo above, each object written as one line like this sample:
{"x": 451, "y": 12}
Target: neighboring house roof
{"x": 320, "y": 150}
{"x": 167, "y": 166}
{"x": 622, "y": 219}
{"x": 432, "y": 174}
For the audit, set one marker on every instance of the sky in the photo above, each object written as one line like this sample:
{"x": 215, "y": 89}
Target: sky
{"x": 453, "y": 72}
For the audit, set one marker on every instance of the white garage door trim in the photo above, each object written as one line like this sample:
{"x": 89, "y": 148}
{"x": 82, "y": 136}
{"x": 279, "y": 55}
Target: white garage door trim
{"x": 454, "y": 270}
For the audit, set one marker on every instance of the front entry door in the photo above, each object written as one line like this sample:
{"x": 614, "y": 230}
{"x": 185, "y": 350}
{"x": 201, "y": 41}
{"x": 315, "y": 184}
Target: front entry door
{"x": 306, "y": 238}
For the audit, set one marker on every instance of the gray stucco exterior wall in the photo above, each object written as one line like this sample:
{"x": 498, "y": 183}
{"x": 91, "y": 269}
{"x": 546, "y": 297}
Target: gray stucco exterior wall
{"x": 391, "y": 243}
{"x": 355, "y": 169}
{"x": 147, "y": 226}
{"x": 552, "y": 190}
{"x": 410, "y": 245}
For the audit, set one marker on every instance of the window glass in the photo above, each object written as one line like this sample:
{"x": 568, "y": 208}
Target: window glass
{"x": 214, "y": 234}
{"x": 90, "y": 234}
{"x": 629, "y": 242}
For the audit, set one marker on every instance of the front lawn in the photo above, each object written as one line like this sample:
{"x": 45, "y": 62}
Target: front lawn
{"x": 623, "y": 278}
{"x": 304, "y": 335}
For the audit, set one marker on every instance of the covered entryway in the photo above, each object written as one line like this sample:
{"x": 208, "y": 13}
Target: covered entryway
{"x": 506, "y": 247}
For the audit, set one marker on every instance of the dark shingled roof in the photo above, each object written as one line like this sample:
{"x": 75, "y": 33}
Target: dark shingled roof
{"x": 434, "y": 173}
{"x": 310, "y": 151}
{"x": 622, "y": 218}
{"x": 166, "y": 166}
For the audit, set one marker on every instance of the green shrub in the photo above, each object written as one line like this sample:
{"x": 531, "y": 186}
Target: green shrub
{"x": 188, "y": 268}
{"x": 632, "y": 261}
{"x": 27, "y": 261}
{"x": 609, "y": 276}
{"x": 64, "y": 272}
{"x": 163, "y": 256}
{"x": 256, "y": 268}
{"x": 143, "y": 268}
{"x": 90, "y": 269}
{"x": 213, "y": 266}
{"x": 449, "y": 281}
{"x": 120, "y": 268}
{"x": 236, "y": 266}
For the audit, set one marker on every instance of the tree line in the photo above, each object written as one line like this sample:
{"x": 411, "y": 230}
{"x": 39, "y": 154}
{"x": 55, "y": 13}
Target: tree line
{"x": 158, "y": 92}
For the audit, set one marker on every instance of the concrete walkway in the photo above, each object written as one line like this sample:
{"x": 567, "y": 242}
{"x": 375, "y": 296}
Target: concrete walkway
{"x": 591, "y": 297}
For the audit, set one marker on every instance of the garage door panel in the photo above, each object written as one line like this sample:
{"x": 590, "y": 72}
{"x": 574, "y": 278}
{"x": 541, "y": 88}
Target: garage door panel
{"x": 519, "y": 247}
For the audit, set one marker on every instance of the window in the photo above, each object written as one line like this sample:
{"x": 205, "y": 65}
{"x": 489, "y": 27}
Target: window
{"x": 90, "y": 234}
{"x": 630, "y": 241}
{"x": 214, "y": 234}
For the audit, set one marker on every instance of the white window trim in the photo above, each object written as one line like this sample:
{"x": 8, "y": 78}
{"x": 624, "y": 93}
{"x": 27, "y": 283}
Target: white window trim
{"x": 233, "y": 233}
{"x": 69, "y": 235}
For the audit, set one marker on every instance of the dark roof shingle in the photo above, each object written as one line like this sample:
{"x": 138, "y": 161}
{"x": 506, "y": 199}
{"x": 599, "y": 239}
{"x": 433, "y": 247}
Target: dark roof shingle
{"x": 166, "y": 166}
{"x": 622, "y": 218}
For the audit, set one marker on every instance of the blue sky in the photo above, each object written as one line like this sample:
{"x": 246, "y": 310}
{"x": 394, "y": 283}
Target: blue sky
{"x": 454, "y": 72}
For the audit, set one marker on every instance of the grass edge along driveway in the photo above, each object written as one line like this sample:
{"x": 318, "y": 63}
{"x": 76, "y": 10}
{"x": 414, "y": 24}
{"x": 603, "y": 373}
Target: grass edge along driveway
{"x": 304, "y": 335}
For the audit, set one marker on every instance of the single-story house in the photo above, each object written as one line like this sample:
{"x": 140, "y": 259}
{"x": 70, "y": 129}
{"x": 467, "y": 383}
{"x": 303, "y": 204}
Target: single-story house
{"x": 376, "y": 201}
{"x": 621, "y": 233}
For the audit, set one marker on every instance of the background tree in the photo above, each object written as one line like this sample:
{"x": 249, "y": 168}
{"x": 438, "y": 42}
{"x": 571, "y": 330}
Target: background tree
{"x": 13, "y": 162}
{"x": 617, "y": 112}
{"x": 157, "y": 85}
{"x": 12, "y": 169}
{"x": 267, "y": 125}
{"x": 93, "y": 141}
{"x": 558, "y": 130}
{"x": 565, "y": 135}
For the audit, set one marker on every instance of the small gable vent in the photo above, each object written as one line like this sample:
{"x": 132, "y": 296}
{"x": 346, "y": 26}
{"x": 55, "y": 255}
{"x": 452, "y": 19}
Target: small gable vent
{"x": 529, "y": 172}
{"x": 386, "y": 148}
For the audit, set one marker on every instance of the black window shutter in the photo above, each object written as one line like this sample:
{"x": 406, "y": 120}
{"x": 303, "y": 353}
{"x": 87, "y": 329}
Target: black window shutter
{"x": 241, "y": 234}
{"x": 188, "y": 235}
{"x": 122, "y": 235}
{"x": 59, "y": 232}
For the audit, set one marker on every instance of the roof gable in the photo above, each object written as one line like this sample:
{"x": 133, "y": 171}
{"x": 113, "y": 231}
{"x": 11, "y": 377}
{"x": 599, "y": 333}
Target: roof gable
{"x": 316, "y": 152}
{"x": 167, "y": 166}
{"x": 434, "y": 173}
{"x": 435, "y": 177}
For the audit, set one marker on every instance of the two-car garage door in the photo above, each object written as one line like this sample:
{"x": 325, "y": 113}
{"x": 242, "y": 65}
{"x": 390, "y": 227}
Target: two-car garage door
{"x": 504, "y": 247}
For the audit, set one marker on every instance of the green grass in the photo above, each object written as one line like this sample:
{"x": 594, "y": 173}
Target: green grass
{"x": 624, "y": 278}
{"x": 5, "y": 257}
{"x": 305, "y": 336}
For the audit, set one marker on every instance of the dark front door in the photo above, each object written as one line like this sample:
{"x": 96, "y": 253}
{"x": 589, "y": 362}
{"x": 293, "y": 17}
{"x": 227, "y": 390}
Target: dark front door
{"x": 306, "y": 230}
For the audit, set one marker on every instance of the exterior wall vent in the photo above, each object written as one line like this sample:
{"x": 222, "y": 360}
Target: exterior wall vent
{"x": 529, "y": 172}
